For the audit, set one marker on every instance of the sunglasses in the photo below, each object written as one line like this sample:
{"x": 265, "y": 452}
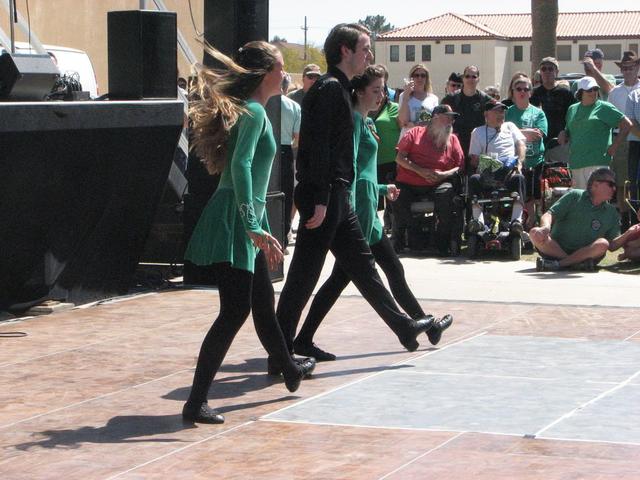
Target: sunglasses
{"x": 522, "y": 89}
{"x": 456, "y": 85}
{"x": 592, "y": 89}
{"x": 419, "y": 75}
{"x": 312, "y": 75}
{"x": 471, "y": 76}
{"x": 547, "y": 69}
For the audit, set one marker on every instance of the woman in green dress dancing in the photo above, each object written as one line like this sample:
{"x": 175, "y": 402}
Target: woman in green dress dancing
{"x": 233, "y": 136}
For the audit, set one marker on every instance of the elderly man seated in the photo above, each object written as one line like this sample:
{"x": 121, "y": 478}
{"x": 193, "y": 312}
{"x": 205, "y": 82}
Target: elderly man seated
{"x": 501, "y": 143}
{"x": 429, "y": 159}
{"x": 581, "y": 226}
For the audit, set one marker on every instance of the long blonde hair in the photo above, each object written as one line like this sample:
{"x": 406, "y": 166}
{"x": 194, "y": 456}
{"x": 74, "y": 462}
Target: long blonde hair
{"x": 427, "y": 83}
{"x": 217, "y": 100}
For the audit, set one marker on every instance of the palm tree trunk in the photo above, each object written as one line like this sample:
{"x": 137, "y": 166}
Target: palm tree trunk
{"x": 544, "y": 21}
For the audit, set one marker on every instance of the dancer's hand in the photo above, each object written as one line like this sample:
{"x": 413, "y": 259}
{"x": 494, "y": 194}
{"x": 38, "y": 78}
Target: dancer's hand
{"x": 392, "y": 192}
{"x": 318, "y": 217}
{"x": 270, "y": 246}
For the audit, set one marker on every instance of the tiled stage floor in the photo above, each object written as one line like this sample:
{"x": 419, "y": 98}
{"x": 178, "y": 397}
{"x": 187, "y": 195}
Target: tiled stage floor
{"x": 513, "y": 391}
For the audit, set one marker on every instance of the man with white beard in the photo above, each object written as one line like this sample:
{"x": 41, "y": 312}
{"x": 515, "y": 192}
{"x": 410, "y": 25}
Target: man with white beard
{"x": 429, "y": 159}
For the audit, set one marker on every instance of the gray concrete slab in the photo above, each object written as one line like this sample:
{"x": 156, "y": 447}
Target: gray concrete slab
{"x": 613, "y": 418}
{"x": 558, "y": 388}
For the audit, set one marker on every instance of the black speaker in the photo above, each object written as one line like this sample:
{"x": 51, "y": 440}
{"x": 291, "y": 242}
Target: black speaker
{"x": 25, "y": 77}
{"x": 80, "y": 183}
{"x": 142, "y": 47}
{"x": 229, "y": 24}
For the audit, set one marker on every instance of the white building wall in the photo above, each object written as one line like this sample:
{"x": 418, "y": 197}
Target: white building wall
{"x": 441, "y": 64}
{"x": 495, "y": 58}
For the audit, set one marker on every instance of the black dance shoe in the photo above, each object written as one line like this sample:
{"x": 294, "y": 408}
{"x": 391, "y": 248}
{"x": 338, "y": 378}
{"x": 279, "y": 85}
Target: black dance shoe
{"x": 312, "y": 350}
{"x": 439, "y": 326}
{"x": 303, "y": 370}
{"x": 202, "y": 413}
{"x": 415, "y": 328}
{"x": 273, "y": 367}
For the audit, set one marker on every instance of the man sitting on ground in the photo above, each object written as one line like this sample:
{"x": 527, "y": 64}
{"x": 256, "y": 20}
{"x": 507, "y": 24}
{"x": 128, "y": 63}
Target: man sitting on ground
{"x": 581, "y": 226}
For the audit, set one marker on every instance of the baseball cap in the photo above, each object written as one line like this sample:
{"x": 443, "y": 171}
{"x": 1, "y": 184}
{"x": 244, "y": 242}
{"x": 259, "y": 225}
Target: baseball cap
{"x": 596, "y": 54}
{"x": 444, "y": 110}
{"x": 455, "y": 77}
{"x": 494, "y": 105}
{"x": 587, "y": 83}
{"x": 551, "y": 60}
{"x": 311, "y": 69}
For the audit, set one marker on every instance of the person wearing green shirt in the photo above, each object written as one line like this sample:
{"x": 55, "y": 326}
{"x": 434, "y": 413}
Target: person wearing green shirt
{"x": 581, "y": 226}
{"x": 386, "y": 121}
{"x": 532, "y": 122}
{"x": 588, "y": 131}
{"x": 233, "y": 135}
{"x": 366, "y": 97}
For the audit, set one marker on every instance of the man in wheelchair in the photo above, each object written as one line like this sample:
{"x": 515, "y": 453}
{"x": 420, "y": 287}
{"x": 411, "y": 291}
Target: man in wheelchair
{"x": 429, "y": 161}
{"x": 497, "y": 152}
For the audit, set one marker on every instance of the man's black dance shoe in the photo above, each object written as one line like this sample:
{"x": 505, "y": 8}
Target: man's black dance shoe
{"x": 412, "y": 330}
{"x": 439, "y": 326}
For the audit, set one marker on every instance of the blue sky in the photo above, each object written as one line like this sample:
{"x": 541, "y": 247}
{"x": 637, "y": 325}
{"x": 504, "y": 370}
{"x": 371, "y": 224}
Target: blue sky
{"x": 286, "y": 17}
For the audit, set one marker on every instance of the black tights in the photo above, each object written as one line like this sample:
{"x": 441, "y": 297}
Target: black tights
{"x": 388, "y": 261}
{"x": 241, "y": 292}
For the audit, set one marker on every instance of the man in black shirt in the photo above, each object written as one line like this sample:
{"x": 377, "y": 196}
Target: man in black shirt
{"x": 554, "y": 100}
{"x": 469, "y": 103}
{"x": 325, "y": 171}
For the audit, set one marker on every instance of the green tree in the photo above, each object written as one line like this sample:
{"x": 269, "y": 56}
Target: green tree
{"x": 376, "y": 24}
{"x": 293, "y": 56}
{"x": 277, "y": 39}
{"x": 544, "y": 22}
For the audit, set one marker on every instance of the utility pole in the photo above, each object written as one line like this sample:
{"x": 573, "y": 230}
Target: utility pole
{"x": 305, "y": 28}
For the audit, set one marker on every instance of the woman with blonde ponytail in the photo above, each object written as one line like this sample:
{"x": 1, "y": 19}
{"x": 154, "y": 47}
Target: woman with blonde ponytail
{"x": 233, "y": 136}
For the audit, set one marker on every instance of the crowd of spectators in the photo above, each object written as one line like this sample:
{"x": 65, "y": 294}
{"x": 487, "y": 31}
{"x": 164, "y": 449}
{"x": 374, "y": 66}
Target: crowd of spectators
{"x": 432, "y": 146}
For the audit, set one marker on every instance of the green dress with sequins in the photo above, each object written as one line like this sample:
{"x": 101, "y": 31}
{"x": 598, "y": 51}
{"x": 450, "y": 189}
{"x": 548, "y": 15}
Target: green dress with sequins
{"x": 238, "y": 204}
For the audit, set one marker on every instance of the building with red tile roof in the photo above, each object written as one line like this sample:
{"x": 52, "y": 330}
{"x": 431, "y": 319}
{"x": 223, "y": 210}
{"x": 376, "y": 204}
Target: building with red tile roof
{"x": 500, "y": 44}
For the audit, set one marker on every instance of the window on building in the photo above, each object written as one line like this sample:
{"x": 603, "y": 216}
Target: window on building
{"x": 394, "y": 53}
{"x": 518, "y": 53}
{"x": 611, "y": 52}
{"x": 410, "y": 53}
{"x": 426, "y": 53}
{"x": 449, "y": 49}
{"x": 582, "y": 49}
{"x": 563, "y": 53}
{"x": 633, "y": 47}
{"x": 465, "y": 48}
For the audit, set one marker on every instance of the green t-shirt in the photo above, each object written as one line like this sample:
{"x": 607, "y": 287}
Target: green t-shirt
{"x": 365, "y": 189}
{"x": 577, "y": 222}
{"x": 589, "y": 130}
{"x": 238, "y": 204}
{"x": 388, "y": 132}
{"x": 530, "y": 117}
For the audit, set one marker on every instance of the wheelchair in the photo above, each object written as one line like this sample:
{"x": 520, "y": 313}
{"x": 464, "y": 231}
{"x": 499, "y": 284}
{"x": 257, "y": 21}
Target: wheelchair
{"x": 419, "y": 232}
{"x": 497, "y": 232}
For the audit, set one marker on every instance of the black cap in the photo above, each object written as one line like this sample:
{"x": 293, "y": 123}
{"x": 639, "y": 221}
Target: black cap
{"x": 493, "y": 104}
{"x": 455, "y": 77}
{"x": 444, "y": 110}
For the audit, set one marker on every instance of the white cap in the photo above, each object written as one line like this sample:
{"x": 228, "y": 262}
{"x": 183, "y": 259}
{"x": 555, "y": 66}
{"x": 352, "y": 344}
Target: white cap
{"x": 587, "y": 83}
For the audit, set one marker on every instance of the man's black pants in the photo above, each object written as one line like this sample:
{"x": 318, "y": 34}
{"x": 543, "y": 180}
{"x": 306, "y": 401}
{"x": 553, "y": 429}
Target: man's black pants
{"x": 341, "y": 234}
{"x": 286, "y": 183}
